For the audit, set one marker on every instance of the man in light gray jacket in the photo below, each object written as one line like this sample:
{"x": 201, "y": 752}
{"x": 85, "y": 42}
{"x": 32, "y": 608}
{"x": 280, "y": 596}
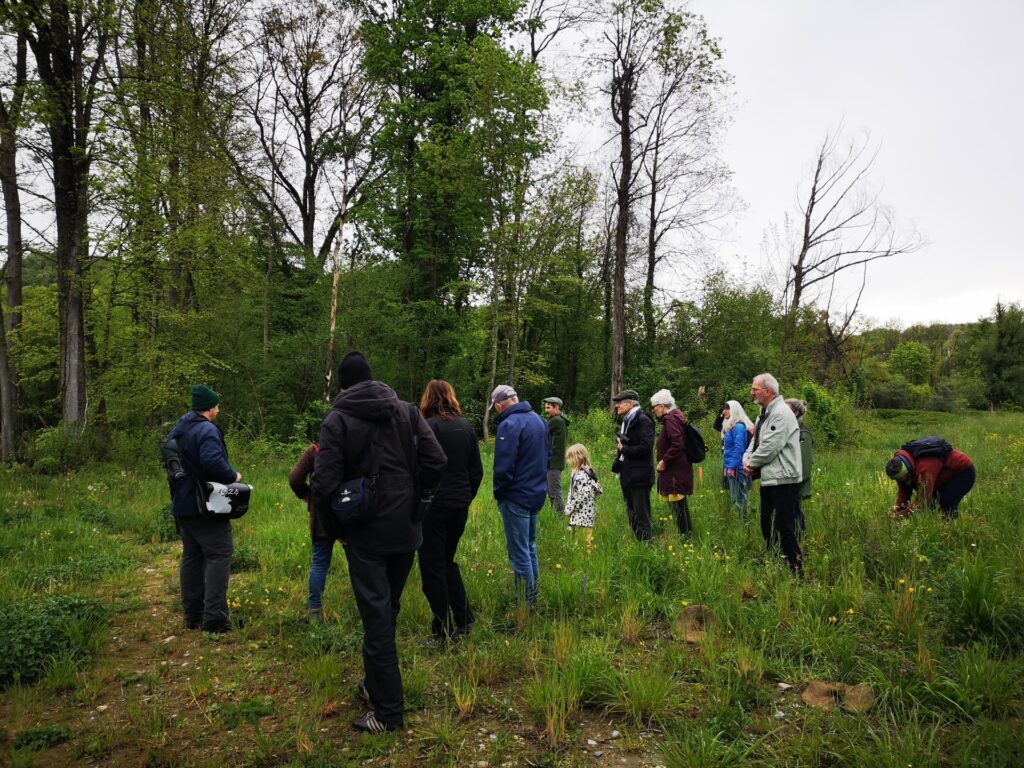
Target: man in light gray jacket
{"x": 774, "y": 456}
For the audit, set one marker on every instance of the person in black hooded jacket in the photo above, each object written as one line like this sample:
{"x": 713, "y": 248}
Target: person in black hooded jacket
{"x": 380, "y": 551}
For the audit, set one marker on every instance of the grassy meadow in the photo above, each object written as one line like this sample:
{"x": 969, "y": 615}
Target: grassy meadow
{"x": 925, "y": 617}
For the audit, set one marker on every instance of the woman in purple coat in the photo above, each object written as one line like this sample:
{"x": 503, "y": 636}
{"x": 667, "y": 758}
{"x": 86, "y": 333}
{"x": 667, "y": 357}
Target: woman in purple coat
{"x": 675, "y": 472}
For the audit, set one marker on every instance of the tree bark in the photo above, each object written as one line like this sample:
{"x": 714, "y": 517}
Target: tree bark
{"x": 624, "y": 183}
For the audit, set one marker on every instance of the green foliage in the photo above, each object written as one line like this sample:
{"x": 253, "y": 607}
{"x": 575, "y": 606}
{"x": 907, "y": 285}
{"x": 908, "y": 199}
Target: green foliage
{"x": 32, "y": 632}
{"x": 913, "y": 361}
{"x": 1003, "y": 356}
{"x": 247, "y": 711}
{"x": 42, "y": 737}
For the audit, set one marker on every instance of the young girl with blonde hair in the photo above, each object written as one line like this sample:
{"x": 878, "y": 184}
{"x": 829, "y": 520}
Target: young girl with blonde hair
{"x": 581, "y": 506}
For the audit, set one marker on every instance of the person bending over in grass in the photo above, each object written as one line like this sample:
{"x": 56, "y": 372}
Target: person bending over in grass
{"x": 322, "y": 538}
{"x": 584, "y": 489}
{"x": 939, "y": 474}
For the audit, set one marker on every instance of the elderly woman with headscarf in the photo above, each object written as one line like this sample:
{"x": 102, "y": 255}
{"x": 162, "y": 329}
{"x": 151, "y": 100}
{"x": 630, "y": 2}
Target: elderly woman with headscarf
{"x": 675, "y": 472}
{"x": 737, "y": 429}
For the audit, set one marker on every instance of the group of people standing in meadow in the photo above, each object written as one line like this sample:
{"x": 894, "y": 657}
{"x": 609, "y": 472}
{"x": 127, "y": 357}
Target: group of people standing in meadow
{"x": 389, "y": 479}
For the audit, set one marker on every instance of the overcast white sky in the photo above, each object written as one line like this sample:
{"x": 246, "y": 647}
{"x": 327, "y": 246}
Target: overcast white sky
{"x": 938, "y": 84}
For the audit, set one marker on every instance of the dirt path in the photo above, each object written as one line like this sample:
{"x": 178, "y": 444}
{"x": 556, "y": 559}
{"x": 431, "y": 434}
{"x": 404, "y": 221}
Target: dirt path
{"x": 160, "y": 695}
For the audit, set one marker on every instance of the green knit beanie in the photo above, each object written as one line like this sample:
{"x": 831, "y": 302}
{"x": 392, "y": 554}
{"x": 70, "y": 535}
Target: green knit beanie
{"x": 203, "y": 398}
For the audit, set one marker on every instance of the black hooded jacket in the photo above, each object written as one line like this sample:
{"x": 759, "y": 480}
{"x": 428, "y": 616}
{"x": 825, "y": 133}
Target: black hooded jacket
{"x": 411, "y": 463}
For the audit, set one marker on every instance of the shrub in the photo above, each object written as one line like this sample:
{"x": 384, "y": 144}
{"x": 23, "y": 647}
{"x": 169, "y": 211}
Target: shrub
{"x": 32, "y": 632}
{"x": 42, "y": 736}
{"x": 829, "y": 414}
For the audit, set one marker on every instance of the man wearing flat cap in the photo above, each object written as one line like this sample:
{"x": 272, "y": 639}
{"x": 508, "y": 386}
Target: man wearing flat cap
{"x": 634, "y": 462}
{"x": 206, "y": 542}
{"x": 522, "y": 455}
{"x": 558, "y": 431}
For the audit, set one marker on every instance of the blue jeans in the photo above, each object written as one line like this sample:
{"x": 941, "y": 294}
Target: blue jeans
{"x": 521, "y": 541}
{"x": 739, "y": 486}
{"x": 323, "y": 549}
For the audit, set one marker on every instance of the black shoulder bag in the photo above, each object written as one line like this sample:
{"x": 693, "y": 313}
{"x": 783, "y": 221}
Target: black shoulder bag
{"x": 355, "y": 501}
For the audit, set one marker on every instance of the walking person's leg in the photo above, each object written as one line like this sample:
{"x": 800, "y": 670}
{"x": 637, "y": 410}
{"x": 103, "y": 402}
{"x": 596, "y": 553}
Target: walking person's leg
{"x": 952, "y": 493}
{"x": 555, "y": 491}
{"x": 787, "y": 499}
{"x": 767, "y": 513}
{"x": 371, "y": 578}
{"x": 681, "y": 512}
{"x": 462, "y": 613}
{"x": 516, "y": 522}
{"x": 319, "y": 566}
{"x": 432, "y": 571}
{"x": 214, "y": 537}
{"x": 641, "y": 497}
{"x": 191, "y": 573}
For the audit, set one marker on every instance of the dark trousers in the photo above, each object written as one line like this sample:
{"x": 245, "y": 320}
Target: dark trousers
{"x": 638, "y": 510}
{"x": 206, "y": 549}
{"x": 779, "y": 511}
{"x": 377, "y": 584}
{"x": 440, "y": 574}
{"x": 681, "y": 512}
{"x": 952, "y": 493}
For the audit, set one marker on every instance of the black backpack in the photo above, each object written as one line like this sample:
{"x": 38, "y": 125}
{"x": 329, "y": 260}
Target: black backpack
{"x": 696, "y": 450}
{"x": 927, "y": 447}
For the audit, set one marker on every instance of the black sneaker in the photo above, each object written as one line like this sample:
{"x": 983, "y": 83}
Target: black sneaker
{"x": 434, "y": 642}
{"x": 369, "y": 723}
{"x": 193, "y": 623}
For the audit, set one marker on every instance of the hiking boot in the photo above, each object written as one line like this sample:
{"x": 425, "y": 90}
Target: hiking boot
{"x": 315, "y": 615}
{"x": 462, "y": 632}
{"x": 193, "y": 623}
{"x": 434, "y": 642}
{"x": 230, "y": 625}
{"x": 369, "y": 723}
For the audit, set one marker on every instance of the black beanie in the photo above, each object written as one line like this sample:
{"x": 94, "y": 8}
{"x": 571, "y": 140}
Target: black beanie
{"x": 353, "y": 369}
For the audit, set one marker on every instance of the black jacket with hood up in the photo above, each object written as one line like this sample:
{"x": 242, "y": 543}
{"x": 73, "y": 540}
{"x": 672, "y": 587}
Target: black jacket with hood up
{"x": 345, "y": 454}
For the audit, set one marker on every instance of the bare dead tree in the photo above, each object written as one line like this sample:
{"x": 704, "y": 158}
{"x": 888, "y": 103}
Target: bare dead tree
{"x": 652, "y": 52}
{"x": 547, "y": 19}
{"x": 685, "y": 180}
{"x": 315, "y": 114}
{"x": 843, "y": 224}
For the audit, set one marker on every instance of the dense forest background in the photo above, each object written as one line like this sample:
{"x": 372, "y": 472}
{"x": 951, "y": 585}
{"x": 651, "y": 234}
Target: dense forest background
{"x": 504, "y": 191}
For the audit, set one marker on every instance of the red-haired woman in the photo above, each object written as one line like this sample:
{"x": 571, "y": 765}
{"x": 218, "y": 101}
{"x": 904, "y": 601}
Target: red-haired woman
{"x": 445, "y": 521}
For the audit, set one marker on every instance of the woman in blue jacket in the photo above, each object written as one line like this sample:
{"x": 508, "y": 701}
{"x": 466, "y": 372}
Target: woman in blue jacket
{"x": 738, "y": 429}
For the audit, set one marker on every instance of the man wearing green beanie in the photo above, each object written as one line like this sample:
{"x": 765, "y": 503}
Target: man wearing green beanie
{"x": 206, "y": 542}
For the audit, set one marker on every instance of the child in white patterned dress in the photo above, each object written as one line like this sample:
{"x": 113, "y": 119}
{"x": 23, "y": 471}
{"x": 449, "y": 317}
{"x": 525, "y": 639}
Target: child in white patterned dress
{"x": 581, "y": 506}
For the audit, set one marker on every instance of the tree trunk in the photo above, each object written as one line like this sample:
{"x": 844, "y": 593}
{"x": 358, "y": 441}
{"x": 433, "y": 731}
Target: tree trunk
{"x": 332, "y": 317}
{"x": 7, "y": 398}
{"x": 652, "y": 259}
{"x": 621, "y": 236}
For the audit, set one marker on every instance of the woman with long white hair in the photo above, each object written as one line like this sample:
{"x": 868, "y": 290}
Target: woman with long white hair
{"x": 737, "y": 429}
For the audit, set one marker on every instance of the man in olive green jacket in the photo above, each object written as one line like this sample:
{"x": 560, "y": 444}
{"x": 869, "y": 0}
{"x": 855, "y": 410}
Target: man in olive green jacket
{"x": 558, "y": 431}
{"x": 774, "y": 455}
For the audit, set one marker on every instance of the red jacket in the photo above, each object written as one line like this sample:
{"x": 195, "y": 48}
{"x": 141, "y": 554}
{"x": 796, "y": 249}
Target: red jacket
{"x": 928, "y": 474}
{"x": 671, "y": 448}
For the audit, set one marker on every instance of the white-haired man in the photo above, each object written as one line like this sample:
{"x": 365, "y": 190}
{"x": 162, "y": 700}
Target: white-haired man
{"x": 774, "y": 456}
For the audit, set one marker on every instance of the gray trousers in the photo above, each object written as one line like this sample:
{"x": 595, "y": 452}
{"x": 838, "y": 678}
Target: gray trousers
{"x": 206, "y": 549}
{"x": 555, "y": 490}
